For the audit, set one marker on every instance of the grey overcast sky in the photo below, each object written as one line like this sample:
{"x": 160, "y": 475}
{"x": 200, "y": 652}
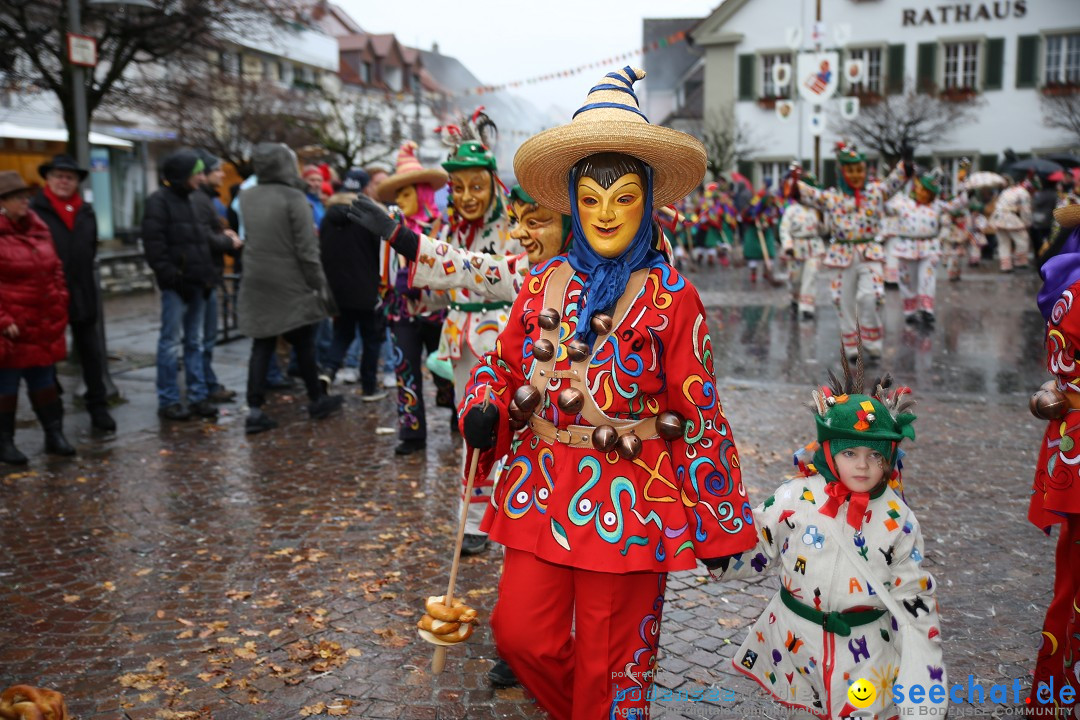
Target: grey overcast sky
{"x": 506, "y": 40}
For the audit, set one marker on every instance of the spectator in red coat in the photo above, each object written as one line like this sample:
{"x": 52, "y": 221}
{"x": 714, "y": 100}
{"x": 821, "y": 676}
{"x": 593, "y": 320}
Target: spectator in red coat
{"x": 33, "y": 318}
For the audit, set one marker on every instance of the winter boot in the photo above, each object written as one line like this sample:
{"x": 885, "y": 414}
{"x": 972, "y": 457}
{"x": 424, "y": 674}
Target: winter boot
{"x": 49, "y": 409}
{"x": 9, "y": 454}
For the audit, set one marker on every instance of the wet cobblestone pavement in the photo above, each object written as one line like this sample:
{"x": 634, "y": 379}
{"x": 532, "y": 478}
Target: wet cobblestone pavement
{"x": 187, "y": 571}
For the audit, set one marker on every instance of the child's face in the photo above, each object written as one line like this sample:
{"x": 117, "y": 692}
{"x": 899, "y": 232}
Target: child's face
{"x": 860, "y": 468}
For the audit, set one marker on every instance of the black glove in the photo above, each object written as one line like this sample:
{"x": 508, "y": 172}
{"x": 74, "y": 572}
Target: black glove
{"x": 479, "y": 427}
{"x": 720, "y": 563}
{"x": 366, "y": 213}
{"x": 907, "y": 157}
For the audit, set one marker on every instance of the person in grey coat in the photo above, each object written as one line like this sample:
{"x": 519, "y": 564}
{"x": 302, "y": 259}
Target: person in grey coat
{"x": 283, "y": 290}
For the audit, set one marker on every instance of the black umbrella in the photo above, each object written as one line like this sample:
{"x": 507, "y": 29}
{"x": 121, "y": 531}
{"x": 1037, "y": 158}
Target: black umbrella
{"x": 1066, "y": 159}
{"x": 1040, "y": 166}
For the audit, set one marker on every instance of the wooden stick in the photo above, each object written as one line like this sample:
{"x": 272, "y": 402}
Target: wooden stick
{"x": 438, "y": 660}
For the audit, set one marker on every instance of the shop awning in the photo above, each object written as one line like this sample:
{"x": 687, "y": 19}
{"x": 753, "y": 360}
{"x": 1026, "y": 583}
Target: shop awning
{"x": 23, "y": 132}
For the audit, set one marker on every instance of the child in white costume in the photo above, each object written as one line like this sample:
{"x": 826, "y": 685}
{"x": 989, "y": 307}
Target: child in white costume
{"x": 828, "y": 628}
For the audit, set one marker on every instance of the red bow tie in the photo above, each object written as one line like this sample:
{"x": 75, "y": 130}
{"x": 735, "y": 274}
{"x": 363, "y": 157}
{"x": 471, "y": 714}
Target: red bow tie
{"x": 857, "y": 503}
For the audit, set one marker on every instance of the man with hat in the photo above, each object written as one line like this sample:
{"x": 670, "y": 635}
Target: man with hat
{"x": 223, "y": 241}
{"x": 917, "y": 245}
{"x": 854, "y": 214}
{"x": 601, "y": 393}
{"x": 73, "y": 226}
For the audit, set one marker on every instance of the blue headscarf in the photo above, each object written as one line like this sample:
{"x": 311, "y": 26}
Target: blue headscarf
{"x": 606, "y": 278}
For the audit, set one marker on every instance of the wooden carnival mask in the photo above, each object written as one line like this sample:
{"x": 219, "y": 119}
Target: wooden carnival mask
{"x": 854, "y": 174}
{"x": 539, "y": 230}
{"x": 611, "y": 201}
{"x": 407, "y": 201}
{"x": 472, "y": 190}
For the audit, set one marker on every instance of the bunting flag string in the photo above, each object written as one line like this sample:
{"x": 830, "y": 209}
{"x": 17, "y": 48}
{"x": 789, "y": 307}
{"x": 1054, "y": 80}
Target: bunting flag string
{"x": 570, "y": 72}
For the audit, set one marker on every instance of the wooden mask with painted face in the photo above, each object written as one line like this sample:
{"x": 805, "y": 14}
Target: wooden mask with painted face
{"x": 611, "y": 201}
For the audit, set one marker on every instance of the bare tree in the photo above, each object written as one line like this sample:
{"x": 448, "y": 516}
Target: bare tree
{"x": 33, "y": 35}
{"x": 911, "y": 120}
{"x": 356, "y": 128}
{"x": 1062, "y": 112}
{"x": 229, "y": 114}
{"x": 727, "y": 141}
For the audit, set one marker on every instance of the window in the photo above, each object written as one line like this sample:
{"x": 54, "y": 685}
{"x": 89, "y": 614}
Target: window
{"x": 772, "y": 173}
{"x": 287, "y": 73}
{"x": 767, "y": 87}
{"x": 1063, "y": 59}
{"x": 871, "y": 82}
{"x": 950, "y": 167}
{"x": 365, "y": 72}
{"x": 961, "y": 66}
{"x": 373, "y": 129}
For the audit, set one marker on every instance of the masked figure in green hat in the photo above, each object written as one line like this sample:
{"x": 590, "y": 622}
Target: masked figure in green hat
{"x": 854, "y": 212}
{"x": 920, "y": 226}
{"x": 842, "y": 538}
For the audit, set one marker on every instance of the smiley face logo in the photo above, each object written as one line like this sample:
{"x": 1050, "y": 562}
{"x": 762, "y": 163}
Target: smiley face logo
{"x": 861, "y": 693}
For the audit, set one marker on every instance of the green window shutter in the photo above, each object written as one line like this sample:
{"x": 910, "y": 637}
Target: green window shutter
{"x": 828, "y": 173}
{"x": 894, "y": 70}
{"x": 926, "y": 72}
{"x": 747, "y": 64}
{"x": 1027, "y": 60}
{"x": 988, "y": 163}
{"x": 995, "y": 64}
{"x": 746, "y": 169}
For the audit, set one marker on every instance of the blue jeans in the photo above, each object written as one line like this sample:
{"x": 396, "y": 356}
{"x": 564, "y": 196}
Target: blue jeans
{"x": 352, "y": 355}
{"x": 210, "y": 325}
{"x": 37, "y": 378}
{"x": 186, "y": 320}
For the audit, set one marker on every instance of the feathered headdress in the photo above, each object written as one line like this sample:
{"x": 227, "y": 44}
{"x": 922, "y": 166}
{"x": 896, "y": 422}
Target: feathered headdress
{"x": 470, "y": 142}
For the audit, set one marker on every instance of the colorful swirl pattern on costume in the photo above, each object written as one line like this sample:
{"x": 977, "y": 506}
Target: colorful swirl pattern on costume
{"x": 577, "y": 506}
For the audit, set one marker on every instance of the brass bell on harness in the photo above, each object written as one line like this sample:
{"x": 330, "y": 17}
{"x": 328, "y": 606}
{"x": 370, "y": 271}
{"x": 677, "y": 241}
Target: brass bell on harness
{"x": 527, "y": 398}
{"x": 669, "y": 425}
{"x": 571, "y": 400}
{"x": 604, "y": 438}
{"x": 516, "y": 423}
{"x": 550, "y": 319}
{"x": 517, "y": 414}
{"x": 628, "y": 446}
{"x": 601, "y": 323}
{"x": 1048, "y": 404}
{"x": 543, "y": 350}
{"x": 578, "y": 350}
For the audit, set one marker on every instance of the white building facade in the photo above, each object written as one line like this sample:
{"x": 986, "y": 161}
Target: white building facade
{"x": 1007, "y": 53}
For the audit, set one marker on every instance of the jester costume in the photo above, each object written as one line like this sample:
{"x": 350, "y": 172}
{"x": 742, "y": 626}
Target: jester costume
{"x": 827, "y": 627}
{"x": 759, "y": 230}
{"x": 802, "y": 232}
{"x": 624, "y": 468}
{"x": 1010, "y": 222}
{"x": 1055, "y": 496}
{"x": 854, "y": 215}
{"x": 917, "y": 245}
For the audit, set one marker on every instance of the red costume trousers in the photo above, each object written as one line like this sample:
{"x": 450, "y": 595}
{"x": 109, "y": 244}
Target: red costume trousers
{"x": 583, "y": 643}
{"x": 1059, "y": 653}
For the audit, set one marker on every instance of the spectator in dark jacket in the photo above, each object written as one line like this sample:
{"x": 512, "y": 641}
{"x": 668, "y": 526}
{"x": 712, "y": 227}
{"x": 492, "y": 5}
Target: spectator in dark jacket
{"x": 350, "y": 258}
{"x": 178, "y": 251}
{"x": 73, "y": 226}
{"x": 223, "y": 241}
{"x": 283, "y": 291}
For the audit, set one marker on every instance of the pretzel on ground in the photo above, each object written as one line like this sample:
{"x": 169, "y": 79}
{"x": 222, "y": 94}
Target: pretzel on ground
{"x": 23, "y": 702}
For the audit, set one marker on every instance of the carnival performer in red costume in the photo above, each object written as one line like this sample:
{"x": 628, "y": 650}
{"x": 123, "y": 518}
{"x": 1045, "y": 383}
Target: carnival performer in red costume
{"x": 624, "y": 468}
{"x": 1055, "y": 497}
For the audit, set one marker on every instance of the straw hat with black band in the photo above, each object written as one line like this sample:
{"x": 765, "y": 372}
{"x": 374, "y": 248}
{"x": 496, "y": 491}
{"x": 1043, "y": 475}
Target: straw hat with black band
{"x": 610, "y": 121}
{"x": 410, "y": 172}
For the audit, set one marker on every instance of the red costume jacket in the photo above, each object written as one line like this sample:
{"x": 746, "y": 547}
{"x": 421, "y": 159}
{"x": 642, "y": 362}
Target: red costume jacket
{"x": 33, "y": 294}
{"x": 1056, "y": 489}
{"x": 677, "y": 501}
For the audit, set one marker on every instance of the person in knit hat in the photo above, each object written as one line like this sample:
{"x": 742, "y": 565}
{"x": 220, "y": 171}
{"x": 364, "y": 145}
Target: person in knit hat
{"x": 854, "y": 211}
{"x": 601, "y": 395}
{"x": 917, "y": 245}
{"x": 828, "y": 630}
{"x": 1055, "y": 494}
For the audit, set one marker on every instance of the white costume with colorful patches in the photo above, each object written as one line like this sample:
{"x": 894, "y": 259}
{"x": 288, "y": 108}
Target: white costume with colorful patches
{"x": 856, "y": 252}
{"x": 1010, "y": 221}
{"x": 797, "y": 661}
{"x": 917, "y": 247}
{"x": 801, "y": 230}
